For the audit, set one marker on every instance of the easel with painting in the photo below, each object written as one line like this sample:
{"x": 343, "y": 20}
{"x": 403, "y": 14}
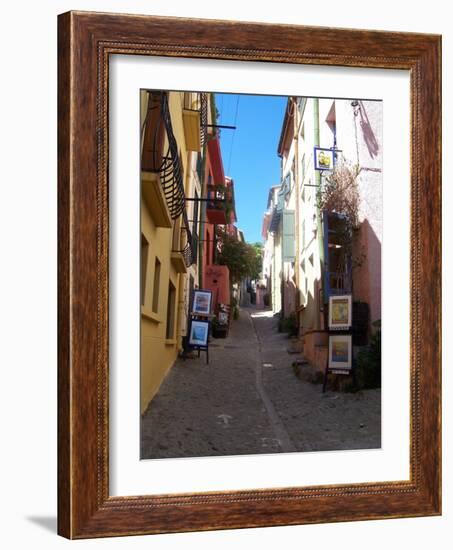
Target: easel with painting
{"x": 339, "y": 355}
{"x": 199, "y": 323}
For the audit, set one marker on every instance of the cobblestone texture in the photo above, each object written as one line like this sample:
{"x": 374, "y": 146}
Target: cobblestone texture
{"x": 249, "y": 401}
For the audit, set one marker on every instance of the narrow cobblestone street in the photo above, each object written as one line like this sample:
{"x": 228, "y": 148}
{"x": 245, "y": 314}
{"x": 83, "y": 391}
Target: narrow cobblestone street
{"x": 249, "y": 401}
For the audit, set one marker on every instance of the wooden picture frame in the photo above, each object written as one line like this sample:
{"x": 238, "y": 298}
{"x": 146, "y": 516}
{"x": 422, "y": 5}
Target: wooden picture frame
{"x": 85, "y": 41}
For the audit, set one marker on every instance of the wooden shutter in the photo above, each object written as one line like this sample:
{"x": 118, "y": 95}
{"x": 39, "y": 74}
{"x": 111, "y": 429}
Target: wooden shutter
{"x": 153, "y": 140}
{"x": 288, "y": 233}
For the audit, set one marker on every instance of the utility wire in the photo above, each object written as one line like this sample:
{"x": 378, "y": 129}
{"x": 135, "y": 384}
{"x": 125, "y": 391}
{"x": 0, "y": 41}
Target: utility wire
{"x": 232, "y": 139}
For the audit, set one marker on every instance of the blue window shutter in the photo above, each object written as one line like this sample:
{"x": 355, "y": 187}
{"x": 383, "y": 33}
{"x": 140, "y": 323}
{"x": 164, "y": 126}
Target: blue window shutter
{"x": 327, "y": 291}
{"x": 289, "y": 237}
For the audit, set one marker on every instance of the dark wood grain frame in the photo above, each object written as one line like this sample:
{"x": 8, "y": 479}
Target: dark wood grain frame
{"x": 85, "y": 41}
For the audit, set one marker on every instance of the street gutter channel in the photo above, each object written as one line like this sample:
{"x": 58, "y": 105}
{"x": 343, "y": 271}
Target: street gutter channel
{"x": 282, "y": 436}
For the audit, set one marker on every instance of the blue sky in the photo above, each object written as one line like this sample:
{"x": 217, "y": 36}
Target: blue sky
{"x": 249, "y": 153}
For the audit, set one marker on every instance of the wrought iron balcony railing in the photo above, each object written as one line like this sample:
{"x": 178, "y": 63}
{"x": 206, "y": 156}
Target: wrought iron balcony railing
{"x": 339, "y": 282}
{"x": 203, "y": 117}
{"x": 275, "y": 220}
{"x": 166, "y": 163}
{"x": 184, "y": 242}
{"x": 216, "y": 198}
{"x": 189, "y": 251}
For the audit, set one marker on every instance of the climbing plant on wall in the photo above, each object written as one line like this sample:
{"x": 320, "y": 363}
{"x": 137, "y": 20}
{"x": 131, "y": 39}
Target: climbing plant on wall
{"x": 339, "y": 194}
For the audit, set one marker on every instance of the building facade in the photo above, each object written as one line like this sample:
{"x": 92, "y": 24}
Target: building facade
{"x": 220, "y": 217}
{"x": 303, "y": 237}
{"x": 185, "y": 196}
{"x": 173, "y": 138}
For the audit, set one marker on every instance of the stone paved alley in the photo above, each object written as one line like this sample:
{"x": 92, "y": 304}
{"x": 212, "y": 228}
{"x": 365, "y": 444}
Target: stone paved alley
{"x": 249, "y": 401}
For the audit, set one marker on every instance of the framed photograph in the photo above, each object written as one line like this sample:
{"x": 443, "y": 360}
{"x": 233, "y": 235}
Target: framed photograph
{"x": 199, "y": 332}
{"x": 340, "y": 312}
{"x": 202, "y": 302}
{"x": 155, "y": 116}
{"x": 340, "y": 352}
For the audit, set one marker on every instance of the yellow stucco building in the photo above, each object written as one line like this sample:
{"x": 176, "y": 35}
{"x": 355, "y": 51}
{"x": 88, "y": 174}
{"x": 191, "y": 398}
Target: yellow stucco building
{"x": 173, "y": 130}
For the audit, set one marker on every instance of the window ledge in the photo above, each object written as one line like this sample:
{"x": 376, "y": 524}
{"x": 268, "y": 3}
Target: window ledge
{"x": 170, "y": 341}
{"x": 150, "y": 315}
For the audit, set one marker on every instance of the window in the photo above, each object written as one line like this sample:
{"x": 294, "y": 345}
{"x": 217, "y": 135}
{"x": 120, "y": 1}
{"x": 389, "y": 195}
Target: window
{"x": 156, "y": 285}
{"x": 144, "y": 268}
{"x": 170, "y": 333}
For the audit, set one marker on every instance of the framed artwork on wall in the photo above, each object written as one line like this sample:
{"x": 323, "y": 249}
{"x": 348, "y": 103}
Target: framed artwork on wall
{"x": 99, "y": 327}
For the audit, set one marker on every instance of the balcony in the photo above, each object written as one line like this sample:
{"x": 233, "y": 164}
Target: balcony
{"x": 339, "y": 282}
{"x": 275, "y": 217}
{"x": 154, "y": 199}
{"x": 160, "y": 164}
{"x": 178, "y": 262}
{"x": 216, "y": 206}
{"x": 195, "y": 120}
{"x": 337, "y": 255}
{"x": 184, "y": 245}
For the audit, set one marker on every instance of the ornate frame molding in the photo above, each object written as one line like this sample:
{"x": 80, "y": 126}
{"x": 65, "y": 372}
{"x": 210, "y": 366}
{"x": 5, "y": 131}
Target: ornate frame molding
{"x": 86, "y": 40}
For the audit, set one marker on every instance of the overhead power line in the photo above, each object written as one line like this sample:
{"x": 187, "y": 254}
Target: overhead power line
{"x": 232, "y": 139}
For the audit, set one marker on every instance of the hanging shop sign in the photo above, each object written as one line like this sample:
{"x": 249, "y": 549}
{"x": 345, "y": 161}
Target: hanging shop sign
{"x": 340, "y": 312}
{"x": 324, "y": 158}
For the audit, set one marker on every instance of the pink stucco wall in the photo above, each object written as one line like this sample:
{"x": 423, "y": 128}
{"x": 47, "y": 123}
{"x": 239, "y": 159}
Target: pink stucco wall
{"x": 217, "y": 279}
{"x": 359, "y": 136}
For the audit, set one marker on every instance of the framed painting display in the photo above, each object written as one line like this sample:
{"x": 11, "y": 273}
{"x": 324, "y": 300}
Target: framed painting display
{"x": 93, "y": 291}
{"x": 340, "y": 352}
{"x": 199, "y": 332}
{"x": 202, "y": 302}
{"x": 340, "y": 312}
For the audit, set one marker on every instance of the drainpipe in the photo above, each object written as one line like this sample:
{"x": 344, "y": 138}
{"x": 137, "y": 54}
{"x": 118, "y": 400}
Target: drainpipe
{"x": 319, "y": 224}
{"x": 202, "y": 219}
{"x": 202, "y": 214}
{"x": 297, "y": 213}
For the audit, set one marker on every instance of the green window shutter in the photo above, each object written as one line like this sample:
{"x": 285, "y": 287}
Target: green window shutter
{"x": 289, "y": 238}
